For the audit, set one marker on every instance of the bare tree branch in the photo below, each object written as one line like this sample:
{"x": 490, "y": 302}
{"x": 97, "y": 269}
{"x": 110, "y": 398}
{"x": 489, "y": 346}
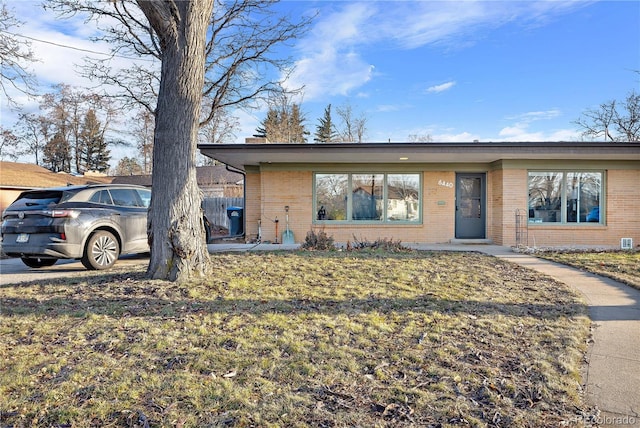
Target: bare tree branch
{"x": 15, "y": 55}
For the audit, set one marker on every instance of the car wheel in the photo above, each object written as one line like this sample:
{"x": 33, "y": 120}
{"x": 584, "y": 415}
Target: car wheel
{"x": 101, "y": 252}
{"x": 37, "y": 262}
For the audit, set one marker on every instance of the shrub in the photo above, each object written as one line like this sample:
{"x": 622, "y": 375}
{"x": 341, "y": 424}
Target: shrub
{"x": 383, "y": 244}
{"x": 318, "y": 240}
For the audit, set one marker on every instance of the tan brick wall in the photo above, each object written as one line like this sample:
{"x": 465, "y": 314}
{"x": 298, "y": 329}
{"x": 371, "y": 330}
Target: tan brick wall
{"x": 495, "y": 204}
{"x": 286, "y": 188}
{"x": 252, "y": 204}
{"x": 439, "y": 207}
{"x": 622, "y": 199}
{"x": 295, "y": 189}
{"x": 269, "y": 192}
{"x": 507, "y": 193}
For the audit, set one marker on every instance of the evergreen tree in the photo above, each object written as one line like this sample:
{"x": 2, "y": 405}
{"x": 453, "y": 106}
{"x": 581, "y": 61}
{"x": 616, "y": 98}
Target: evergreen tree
{"x": 326, "y": 131}
{"x": 57, "y": 154}
{"x": 94, "y": 154}
{"x": 128, "y": 166}
{"x": 299, "y": 132}
{"x": 283, "y": 124}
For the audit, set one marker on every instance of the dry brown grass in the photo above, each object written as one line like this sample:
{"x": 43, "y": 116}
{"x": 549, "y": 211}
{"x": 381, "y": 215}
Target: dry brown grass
{"x": 296, "y": 339}
{"x": 623, "y": 266}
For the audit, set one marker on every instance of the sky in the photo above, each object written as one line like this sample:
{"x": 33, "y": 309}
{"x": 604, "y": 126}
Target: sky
{"x": 457, "y": 71}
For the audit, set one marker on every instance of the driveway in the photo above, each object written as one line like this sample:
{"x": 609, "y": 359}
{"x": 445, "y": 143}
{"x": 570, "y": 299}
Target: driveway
{"x": 13, "y": 270}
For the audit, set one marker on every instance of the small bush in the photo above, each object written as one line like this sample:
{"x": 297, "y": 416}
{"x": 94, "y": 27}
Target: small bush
{"x": 318, "y": 240}
{"x": 383, "y": 244}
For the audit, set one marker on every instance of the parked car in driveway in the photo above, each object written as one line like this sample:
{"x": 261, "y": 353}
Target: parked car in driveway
{"x": 94, "y": 223}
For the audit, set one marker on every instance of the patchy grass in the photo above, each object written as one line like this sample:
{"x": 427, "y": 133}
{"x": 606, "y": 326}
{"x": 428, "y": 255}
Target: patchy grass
{"x": 623, "y": 266}
{"x": 297, "y": 339}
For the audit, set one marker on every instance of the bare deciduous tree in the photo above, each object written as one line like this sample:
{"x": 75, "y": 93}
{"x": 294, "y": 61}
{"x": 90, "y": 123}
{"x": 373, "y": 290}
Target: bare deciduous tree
{"x": 240, "y": 59}
{"x": 15, "y": 55}
{"x": 176, "y": 230}
{"x": 224, "y": 56}
{"x": 353, "y": 129}
{"x": 142, "y": 132}
{"x": 612, "y": 120}
{"x": 34, "y": 130}
{"x": 8, "y": 145}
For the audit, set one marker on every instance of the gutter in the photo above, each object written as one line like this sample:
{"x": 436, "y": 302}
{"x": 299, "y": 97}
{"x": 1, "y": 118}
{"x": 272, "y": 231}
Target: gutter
{"x": 244, "y": 195}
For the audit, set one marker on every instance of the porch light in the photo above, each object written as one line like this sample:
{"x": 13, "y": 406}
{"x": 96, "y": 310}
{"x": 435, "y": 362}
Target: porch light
{"x": 404, "y": 158}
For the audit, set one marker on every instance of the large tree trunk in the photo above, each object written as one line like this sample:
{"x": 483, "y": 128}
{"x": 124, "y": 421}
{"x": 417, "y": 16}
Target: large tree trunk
{"x": 176, "y": 231}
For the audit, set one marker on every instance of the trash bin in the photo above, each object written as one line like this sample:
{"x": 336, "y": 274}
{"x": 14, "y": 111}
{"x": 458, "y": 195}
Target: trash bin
{"x": 236, "y": 222}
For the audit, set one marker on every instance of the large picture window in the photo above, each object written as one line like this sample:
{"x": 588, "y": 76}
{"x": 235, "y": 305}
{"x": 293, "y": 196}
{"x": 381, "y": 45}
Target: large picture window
{"x": 565, "y": 197}
{"x": 374, "y": 197}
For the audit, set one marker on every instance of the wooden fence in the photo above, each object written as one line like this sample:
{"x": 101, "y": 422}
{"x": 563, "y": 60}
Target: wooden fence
{"x": 216, "y": 209}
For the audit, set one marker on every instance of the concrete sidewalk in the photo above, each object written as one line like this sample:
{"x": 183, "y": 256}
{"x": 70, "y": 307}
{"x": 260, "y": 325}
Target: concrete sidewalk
{"x": 612, "y": 377}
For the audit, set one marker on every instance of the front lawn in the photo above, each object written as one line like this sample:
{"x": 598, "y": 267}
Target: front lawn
{"x": 297, "y": 339}
{"x": 623, "y": 266}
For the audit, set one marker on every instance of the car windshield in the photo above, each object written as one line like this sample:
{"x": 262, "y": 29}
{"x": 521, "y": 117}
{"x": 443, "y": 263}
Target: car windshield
{"x": 30, "y": 200}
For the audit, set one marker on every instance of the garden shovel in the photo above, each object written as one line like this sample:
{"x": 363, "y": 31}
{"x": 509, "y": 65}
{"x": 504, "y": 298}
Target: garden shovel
{"x": 287, "y": 235}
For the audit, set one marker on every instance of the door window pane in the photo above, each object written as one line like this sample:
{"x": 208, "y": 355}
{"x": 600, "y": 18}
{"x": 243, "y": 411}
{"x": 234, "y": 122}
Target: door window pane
{"x": 469, "y": 193}
{"x": 545, "y": 197}
{"x": 331, "y": 196}
{"x": 403, "y": 192}
{"x": 367, "y": 196}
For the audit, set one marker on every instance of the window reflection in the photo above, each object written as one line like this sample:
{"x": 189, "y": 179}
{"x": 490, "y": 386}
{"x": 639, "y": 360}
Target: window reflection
{"x": 565, "y": 197}
{"x": 367, "y": 197}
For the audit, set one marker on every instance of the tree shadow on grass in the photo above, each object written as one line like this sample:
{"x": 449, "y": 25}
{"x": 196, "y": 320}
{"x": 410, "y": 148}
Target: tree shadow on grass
{"x": 155, "y": 307}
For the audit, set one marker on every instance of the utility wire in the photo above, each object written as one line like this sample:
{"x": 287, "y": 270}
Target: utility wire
{"x": 75, "y": 48}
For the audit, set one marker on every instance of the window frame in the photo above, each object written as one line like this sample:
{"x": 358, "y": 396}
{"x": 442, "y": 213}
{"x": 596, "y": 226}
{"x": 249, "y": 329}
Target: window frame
{"x": 385, "y": 199}
{"x": 565, "y": 199}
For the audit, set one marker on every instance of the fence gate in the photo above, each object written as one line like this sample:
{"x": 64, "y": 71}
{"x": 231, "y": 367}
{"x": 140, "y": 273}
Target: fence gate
{"x": 522, "y": 228}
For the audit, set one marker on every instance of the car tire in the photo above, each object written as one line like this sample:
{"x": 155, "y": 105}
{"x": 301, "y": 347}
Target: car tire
{"x": 101, "y": 252}
{"x": 37, "y": 262}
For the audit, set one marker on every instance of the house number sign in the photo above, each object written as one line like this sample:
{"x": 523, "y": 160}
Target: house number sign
{"x": 443, "y": 183}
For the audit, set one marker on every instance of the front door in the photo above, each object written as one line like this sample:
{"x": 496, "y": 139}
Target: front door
{"x": 470, "y": 206}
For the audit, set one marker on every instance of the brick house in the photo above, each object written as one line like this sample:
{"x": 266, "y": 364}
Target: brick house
{"x": 542, "y": 194}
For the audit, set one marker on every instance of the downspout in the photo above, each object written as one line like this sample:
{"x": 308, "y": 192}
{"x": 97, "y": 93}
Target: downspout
{"x": 244, "y": 196}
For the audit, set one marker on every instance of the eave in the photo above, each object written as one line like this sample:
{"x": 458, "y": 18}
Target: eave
{"x": 242, "y": 155}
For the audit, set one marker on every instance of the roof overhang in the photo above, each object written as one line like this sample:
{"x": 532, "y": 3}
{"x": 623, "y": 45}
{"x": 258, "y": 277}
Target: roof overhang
{"x": 243, "y": 155}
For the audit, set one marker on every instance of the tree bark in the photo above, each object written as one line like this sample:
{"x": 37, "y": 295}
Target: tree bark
{"x": 176, "y": 231}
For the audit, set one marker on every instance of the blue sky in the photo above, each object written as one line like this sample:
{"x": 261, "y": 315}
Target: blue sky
{"x": 455, "y": 70}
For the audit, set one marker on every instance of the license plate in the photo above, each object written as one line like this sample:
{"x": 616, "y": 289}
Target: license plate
{"x": 22, "y": 238}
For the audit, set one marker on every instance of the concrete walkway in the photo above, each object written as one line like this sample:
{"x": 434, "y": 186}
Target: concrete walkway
{"x": 612, "y": 376}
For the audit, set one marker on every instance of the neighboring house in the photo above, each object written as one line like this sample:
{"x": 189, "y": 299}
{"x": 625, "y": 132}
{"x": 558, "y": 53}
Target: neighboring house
{"x": 18, "y": 177}
{"x": 215, "y": 181}
{"x": 542, "y": 194}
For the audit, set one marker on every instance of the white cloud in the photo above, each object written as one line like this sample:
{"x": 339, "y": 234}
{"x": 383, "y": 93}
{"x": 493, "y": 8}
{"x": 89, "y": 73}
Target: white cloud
{"x": 520, "y": 129}
{"x": 442, "y": 87}
{"x": 533, "y": 116}
{"x": 332, "y": 59}
{"x": 329, "y": 64}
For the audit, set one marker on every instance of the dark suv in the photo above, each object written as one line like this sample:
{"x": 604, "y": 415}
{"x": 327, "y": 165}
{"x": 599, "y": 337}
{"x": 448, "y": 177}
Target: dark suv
{"x": 93, "y": 223}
